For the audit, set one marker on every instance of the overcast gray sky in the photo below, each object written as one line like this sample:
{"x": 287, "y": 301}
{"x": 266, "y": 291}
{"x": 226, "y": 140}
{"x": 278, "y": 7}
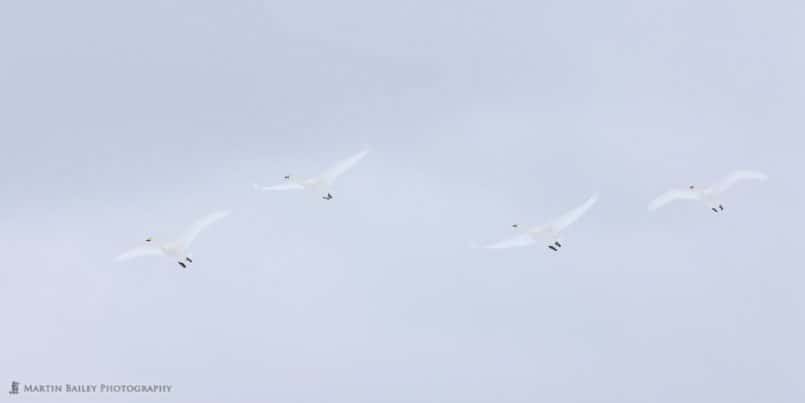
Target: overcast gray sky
{"x": 122, "y": 120}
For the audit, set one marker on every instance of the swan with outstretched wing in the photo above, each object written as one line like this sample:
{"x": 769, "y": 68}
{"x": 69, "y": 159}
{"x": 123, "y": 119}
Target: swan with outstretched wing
{"x": 549, "y": 233}
{"x": 177, "y": 248}
{"x": 711, "y": 196}
{"x": 322, "y": 183}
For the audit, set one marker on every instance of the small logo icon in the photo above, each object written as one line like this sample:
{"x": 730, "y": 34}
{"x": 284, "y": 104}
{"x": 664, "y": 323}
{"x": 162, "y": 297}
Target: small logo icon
{"x": 15, "y": 388}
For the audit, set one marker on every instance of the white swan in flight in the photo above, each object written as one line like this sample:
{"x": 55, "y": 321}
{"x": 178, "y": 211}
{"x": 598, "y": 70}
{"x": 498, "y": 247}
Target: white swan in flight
{"x": 711, "y": 196}
{"x": 322, "y": 183}
{"x": 548, "y": 233}
{"x": 177, "y": 248}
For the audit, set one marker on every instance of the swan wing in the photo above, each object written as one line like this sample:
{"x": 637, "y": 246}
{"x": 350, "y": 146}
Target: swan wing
{"x": 329, "y": 176}
{"x": 573, "y": 215}
{"x": 191, "y": 233}
{"x": 282, "y": 186}
{"x": 670, "y": 196}
{"x": 142, "y": 250}
{"x": 515, "y": 242}
{"x": 739, "y": 176}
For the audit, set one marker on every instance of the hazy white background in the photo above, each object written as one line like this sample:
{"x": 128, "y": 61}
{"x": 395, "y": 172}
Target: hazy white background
{"x": 122, "y": 120}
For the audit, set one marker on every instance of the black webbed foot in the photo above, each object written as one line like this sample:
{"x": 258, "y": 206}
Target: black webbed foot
{"x": 184, "y": 266}
{"x": 553, "y": 248}
{"x": 188, "y": 260}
